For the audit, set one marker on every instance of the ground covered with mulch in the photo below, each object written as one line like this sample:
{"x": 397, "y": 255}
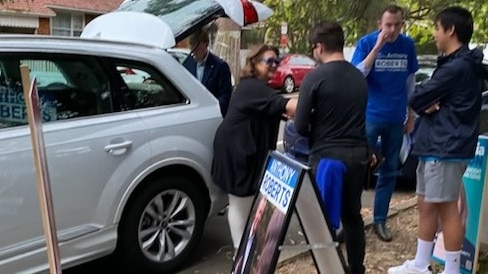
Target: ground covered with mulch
{"x": 379, "y": 255}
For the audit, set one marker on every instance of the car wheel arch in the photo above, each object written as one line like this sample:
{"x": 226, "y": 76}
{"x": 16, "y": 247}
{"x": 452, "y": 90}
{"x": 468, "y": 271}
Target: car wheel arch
{"x": 168, "y": 171}
{"x": 192, "y": 186}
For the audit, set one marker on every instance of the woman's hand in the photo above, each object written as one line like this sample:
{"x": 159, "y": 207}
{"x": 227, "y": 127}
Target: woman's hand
{"x": 291, "y": 107}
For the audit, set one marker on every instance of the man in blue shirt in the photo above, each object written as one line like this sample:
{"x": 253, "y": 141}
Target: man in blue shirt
{"x": 388, "y": 60}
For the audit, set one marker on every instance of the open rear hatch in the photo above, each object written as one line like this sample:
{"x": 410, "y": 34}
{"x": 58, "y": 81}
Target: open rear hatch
{"x": 136, "y": 20}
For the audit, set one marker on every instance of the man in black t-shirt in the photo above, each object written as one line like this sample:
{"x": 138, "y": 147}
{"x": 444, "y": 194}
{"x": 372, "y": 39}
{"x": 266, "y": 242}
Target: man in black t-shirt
{"x": 331, "y": 112}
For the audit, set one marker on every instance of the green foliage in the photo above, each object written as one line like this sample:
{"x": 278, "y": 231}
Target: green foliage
{"x": 422, "y": 35}
{"x": 421, "y": 14}
{"x": 359, "y": 17}
{"x": 252, "y": 37}
{"x": 299, "y": 22}
{"x": 480, "y": 9}
{"x": 354, "y": 15}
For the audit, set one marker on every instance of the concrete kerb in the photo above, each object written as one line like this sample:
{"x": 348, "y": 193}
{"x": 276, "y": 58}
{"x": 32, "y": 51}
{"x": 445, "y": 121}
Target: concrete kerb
{"x": 291, "y": 255}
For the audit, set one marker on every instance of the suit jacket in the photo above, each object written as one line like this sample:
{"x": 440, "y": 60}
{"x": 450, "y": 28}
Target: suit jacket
{"x": 216, "y": 78}
{"x": 262, "y": 250}
{"x": 266, "y": 261}
{"x": 245, "y": 259}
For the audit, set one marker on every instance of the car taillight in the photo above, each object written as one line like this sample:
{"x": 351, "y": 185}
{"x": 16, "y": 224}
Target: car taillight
{"x": 250, "y": 13}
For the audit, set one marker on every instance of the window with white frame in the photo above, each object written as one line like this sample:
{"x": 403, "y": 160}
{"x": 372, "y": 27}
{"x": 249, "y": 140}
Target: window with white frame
{"x": 66, "y": 24}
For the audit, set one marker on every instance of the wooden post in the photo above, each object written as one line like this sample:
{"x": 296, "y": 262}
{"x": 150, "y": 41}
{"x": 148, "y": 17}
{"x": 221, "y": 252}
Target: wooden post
{"x": 42, "y": 174}
{"x": 227, "y": 45}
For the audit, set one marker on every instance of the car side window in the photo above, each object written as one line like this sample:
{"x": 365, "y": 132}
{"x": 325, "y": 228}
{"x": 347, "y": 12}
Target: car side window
{"x": 46, "y": 72}
{"x": 420, "y": 77}
{"x": 181, "y": 57}
{"x": 294, "y": 61}
{"x": 12, "y": 105}
{"x": 302, "y": 61}
{"x": 308, "y": 61}
{"x": 146, "y": 87}
{"x": 68, "y": 86}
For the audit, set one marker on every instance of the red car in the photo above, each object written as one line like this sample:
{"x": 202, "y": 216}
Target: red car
{"x": 291, "y": 71}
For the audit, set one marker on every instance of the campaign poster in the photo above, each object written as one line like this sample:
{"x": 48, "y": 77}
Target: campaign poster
{"x": 270, "y": 216}
{"x": 13, "y": 105}
{"x": 470, "y": 207}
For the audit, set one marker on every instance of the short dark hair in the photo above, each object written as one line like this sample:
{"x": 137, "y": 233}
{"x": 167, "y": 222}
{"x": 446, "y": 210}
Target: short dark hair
{"x": 459, "y": 18}
{"x": 329, "y": 34}
{"x": 392, "y": 9}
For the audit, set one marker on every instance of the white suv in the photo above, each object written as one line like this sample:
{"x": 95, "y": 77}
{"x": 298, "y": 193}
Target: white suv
{"x": 129, "y": 159}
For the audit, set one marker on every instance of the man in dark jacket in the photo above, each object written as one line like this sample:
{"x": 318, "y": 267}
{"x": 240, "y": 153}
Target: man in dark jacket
{"x": 213, "y": 72}
{"x": 449, "y": 107}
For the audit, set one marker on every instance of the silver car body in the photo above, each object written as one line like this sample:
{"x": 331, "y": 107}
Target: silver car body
{"x": 96, "y": 162}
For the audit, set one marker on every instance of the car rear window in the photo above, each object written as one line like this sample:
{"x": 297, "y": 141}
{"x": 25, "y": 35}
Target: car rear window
{"x": 68, "y": 86}
{"x": 179, "y": 15}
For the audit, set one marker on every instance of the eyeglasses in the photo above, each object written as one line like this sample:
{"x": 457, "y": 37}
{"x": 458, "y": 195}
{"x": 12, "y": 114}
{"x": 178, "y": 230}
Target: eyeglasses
{"x": 314, "y": 46}
{"x": 271, "y": 61}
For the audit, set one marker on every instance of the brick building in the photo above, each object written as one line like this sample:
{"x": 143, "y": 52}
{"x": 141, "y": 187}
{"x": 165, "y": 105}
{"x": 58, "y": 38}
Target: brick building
{"x": 56, "y": 17}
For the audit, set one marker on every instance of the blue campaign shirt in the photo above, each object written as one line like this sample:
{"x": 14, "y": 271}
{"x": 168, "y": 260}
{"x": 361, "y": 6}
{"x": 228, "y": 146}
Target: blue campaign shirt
{"x": 387, "y": 79}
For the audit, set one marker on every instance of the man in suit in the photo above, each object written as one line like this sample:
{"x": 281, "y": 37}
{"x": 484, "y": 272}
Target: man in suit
{"x": 271, "y": 242}
{"x": 213, "y": 72}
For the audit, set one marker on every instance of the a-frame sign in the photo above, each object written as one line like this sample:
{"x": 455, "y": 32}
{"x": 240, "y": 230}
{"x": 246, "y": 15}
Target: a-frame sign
{"x": 286, "y": 185}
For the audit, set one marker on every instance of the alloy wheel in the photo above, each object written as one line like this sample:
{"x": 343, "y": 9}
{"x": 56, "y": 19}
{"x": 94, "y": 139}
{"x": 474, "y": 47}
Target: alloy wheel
{"x": 166, "y": 225}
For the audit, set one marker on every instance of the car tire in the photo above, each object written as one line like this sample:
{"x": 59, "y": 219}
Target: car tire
{"x": 289, "y": 84}
{"x": 171, "y": 210}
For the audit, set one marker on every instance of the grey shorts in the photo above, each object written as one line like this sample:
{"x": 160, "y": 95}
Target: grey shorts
{"x": 440, "y": 181}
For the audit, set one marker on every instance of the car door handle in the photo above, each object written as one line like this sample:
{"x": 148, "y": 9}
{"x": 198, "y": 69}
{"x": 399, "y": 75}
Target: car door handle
{"x": 118, "y": 148}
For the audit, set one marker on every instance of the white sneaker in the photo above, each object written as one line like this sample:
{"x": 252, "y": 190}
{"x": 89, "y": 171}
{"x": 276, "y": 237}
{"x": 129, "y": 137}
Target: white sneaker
{"x": 407, "y": 268}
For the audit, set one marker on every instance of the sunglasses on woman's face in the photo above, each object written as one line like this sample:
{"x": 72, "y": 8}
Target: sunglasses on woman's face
{"x": 271, "y": 61}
